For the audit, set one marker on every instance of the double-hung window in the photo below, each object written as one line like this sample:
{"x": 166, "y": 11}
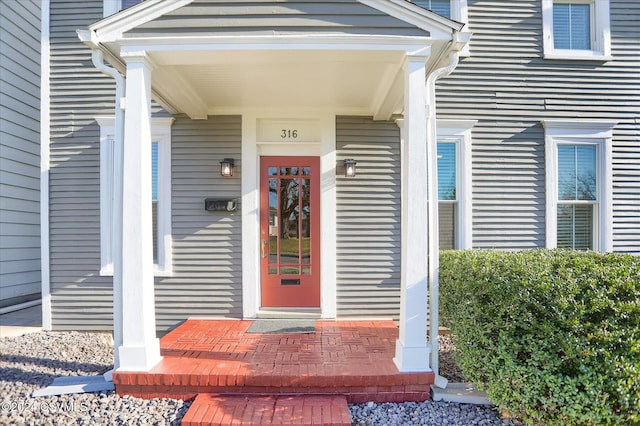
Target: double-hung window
{"x": 454, "y": 183}
{"x": 576, "y": 29}
{"x": 448, "y": 205}
{"x": 579, "y": 185}
{"x": 160, "y": 193}
{"x": 578, "y": 198}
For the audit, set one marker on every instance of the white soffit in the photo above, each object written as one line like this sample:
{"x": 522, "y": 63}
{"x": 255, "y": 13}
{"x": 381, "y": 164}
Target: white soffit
{"x": 228, "y": 81}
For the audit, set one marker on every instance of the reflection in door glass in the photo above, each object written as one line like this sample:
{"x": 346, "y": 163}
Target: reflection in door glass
{"x": 273, "y": 222}
{"x": 289, "y": 221}
{"x": 289, "y": 215}
{"x": 305, "y": 219}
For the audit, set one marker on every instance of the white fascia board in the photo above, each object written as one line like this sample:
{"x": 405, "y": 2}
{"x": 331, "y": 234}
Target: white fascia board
{"x": 438, "y": 26}
{"x": 412, "y": 45}
{"x": 111, "y": 28}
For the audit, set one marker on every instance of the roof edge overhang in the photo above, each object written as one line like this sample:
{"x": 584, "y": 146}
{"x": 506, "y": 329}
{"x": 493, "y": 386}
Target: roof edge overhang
{"x": 108, "y": 36}
{"x": 112, "y": 28}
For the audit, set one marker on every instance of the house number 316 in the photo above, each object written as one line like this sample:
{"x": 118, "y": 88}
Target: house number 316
{"x": 289, "y": 134}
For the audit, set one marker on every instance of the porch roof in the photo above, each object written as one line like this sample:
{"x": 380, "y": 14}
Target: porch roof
{"x": 224, "y": 57}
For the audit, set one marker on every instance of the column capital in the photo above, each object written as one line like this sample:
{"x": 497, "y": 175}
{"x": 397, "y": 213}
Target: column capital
{"x": 139, "y": 57}
{"x": 420, "y": 55}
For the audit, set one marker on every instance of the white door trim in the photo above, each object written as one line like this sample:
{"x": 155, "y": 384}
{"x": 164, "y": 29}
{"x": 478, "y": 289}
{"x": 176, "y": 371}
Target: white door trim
{"x": 252, "y": 149}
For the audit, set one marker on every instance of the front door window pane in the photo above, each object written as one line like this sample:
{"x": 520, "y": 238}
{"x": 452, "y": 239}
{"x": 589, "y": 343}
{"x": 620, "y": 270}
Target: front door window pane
{"x": 289, "y": 244}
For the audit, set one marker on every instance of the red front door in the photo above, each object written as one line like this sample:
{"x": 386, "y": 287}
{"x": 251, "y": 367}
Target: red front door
{"x": 290, "y": 231}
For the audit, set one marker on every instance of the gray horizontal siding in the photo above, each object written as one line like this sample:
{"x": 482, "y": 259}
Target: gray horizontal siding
{"x": 207, "y": 246}
{"x": 245, "y": 17}
{"x": 509, "y": 88}
{"x": 368, "y": 219}
{"x": 19, "y": 152}
{"x": 80, "y": 297}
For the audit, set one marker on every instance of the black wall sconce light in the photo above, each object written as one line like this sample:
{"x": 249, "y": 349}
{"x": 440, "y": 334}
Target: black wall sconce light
{"x": 226, "y": 167}
{"x": 349, "y": 167}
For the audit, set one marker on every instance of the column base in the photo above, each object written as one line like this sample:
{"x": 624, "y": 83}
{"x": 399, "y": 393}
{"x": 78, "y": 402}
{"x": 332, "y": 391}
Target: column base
{"x": 139, "y": 358}
{"x": 412, "y": 359}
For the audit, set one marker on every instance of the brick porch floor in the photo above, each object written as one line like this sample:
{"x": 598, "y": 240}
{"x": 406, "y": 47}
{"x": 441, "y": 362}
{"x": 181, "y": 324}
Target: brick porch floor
{"x": 351, "y": 358}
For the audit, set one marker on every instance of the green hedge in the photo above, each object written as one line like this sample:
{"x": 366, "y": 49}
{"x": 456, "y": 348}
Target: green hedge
{"x": 552, "y": 336}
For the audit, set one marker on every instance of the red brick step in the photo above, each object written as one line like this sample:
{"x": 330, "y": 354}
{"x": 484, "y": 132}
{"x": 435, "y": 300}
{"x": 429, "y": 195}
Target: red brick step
{"x": 292, "y": 410}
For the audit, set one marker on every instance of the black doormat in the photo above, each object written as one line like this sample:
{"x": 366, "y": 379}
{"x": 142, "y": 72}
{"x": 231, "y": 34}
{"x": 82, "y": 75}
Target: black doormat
{"x": 286, "y": 326}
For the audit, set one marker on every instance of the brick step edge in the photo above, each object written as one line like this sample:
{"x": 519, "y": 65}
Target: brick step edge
{"x": 268, "y": 410}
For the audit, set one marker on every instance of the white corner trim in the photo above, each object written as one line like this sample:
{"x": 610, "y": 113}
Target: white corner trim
{"x": 600, "y": 33}
{"x": 328, "y": 226}
{"x": 592, "y": 132}
{"x": 250, "y": 213}
{"x": 460, "y": 131}
{"x": 45, "y": 133}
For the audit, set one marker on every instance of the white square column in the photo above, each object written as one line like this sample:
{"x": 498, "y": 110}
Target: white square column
{"x": 140, "y": 348}
{"x": 412, "y": 350}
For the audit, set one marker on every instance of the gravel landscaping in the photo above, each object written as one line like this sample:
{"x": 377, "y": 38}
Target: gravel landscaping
{"x": 32, "y": 361}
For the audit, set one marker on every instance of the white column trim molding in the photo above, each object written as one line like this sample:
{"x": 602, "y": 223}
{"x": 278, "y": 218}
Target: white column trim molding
{"x": 412, "y": 350}
{"x": 594, "y": 132}
{"x": 460, "y": 131}
{"x": 140, "y": 349}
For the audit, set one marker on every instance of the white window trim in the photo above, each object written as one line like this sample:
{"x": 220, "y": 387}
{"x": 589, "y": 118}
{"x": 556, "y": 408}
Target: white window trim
{"x": 160, "y": 133}
{"x": 600, "y": 134}
{"x": 600, "y": 32}
{"x": 459, "y": 131}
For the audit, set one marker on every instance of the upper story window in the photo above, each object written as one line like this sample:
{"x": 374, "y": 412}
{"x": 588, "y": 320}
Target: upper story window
{"x": 576, "y": 29}
{"x": 579, "y": 210}
{"x": 109, "y": 7}
{"x": 452, "y": 9}
{"x": 441, "y": 7}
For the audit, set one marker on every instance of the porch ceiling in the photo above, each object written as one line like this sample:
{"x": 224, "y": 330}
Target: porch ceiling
{"x": 200, "y": 83}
